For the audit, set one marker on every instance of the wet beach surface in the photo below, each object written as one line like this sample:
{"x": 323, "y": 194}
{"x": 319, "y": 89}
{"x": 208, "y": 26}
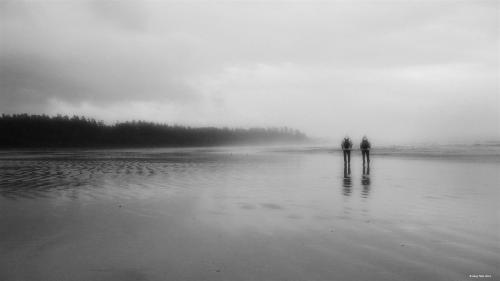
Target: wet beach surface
{"x": 247, "y": 214}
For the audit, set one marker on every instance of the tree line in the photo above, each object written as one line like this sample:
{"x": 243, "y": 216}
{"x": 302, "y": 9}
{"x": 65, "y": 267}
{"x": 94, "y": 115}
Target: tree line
{"x": 39, "y": 131}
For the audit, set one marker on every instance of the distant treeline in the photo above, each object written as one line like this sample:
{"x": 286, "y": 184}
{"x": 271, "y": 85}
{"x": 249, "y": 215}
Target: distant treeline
{"x": 39, "y": 131}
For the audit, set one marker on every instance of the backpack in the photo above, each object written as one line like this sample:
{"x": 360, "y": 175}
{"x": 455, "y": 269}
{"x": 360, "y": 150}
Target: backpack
{"x": 346, "y": 144}
{"x": 365, "y": 144}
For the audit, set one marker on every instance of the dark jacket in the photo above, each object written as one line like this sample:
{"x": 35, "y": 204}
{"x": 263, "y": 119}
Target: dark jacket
{"x": 365, "y": 145}
{"x": 346, "y": 144}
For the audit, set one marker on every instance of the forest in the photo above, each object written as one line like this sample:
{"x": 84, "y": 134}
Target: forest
{"x": 43, "y": 131}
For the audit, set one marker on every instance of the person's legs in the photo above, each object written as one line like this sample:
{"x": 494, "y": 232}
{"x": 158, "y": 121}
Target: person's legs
{"x": 349, "y": 156}
{"x": 368, "y": 156}
{"x": 345, "y": 160}
{"x": 363, "y": 153}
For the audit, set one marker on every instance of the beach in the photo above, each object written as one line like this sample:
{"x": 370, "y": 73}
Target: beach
{"x": 249, "y": 213}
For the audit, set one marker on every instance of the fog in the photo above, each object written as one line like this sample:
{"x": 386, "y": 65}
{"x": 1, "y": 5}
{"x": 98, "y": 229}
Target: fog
{"x": 397, "y": 71}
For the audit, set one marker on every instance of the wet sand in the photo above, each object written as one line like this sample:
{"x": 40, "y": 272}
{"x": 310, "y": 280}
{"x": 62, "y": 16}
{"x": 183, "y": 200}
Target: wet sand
{"x": 246, "y": 214}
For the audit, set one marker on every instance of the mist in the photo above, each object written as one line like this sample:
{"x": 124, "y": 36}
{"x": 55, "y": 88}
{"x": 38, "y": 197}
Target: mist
{"x": 397, "y": 71}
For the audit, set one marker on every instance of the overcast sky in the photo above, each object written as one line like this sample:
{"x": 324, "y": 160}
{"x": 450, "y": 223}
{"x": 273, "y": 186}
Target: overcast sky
{"x": 397, "y": 71}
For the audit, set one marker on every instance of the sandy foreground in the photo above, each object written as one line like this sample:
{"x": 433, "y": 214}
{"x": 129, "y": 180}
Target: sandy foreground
{"x": 247, "y": 215}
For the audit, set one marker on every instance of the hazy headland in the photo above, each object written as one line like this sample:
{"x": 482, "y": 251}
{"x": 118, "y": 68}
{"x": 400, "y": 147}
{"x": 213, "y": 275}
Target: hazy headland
{"x": 43, "y": 131}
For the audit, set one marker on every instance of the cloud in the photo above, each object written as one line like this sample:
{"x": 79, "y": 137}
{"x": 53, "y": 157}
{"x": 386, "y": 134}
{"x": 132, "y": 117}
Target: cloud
{"x": 127, "y": 14}
{"x": 399, "y": 70}
{"x": 63, "y": 53}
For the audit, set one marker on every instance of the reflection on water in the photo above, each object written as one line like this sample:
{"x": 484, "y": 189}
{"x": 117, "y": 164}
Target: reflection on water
{"x": 347, "y": 181}
{"x": 365, "y": 181}
{"x": 101, "y": 176}
{"x": 33, "y": 178}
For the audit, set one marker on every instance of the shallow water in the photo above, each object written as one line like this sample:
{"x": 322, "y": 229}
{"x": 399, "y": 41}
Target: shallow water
{"x": 246, "y": 214}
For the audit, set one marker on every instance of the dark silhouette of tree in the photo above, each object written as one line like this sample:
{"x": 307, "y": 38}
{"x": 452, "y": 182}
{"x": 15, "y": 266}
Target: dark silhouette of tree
{"x": 38, "y": 131}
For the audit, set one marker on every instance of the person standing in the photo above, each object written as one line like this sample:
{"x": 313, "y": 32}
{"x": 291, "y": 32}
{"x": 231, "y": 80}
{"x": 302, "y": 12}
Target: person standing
{"x": 365, "y": 149}
{"x": 346, "y": 148}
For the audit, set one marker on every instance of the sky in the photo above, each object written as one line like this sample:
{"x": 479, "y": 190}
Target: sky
{"x": 396, "y": 71}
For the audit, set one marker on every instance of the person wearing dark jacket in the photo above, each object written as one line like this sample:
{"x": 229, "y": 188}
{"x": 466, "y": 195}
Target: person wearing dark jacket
{"x": 365, "y": 149}
{"x": 346, "y": 148}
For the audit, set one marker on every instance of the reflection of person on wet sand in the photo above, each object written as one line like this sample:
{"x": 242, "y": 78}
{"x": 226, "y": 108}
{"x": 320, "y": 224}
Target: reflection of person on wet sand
{"x": 347, "y": 181}
{"x": 346, "y": 148}
{"x": 365, "y": 181}
{"x": 347, "y": 170}
{"x": 366, "y": 170}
